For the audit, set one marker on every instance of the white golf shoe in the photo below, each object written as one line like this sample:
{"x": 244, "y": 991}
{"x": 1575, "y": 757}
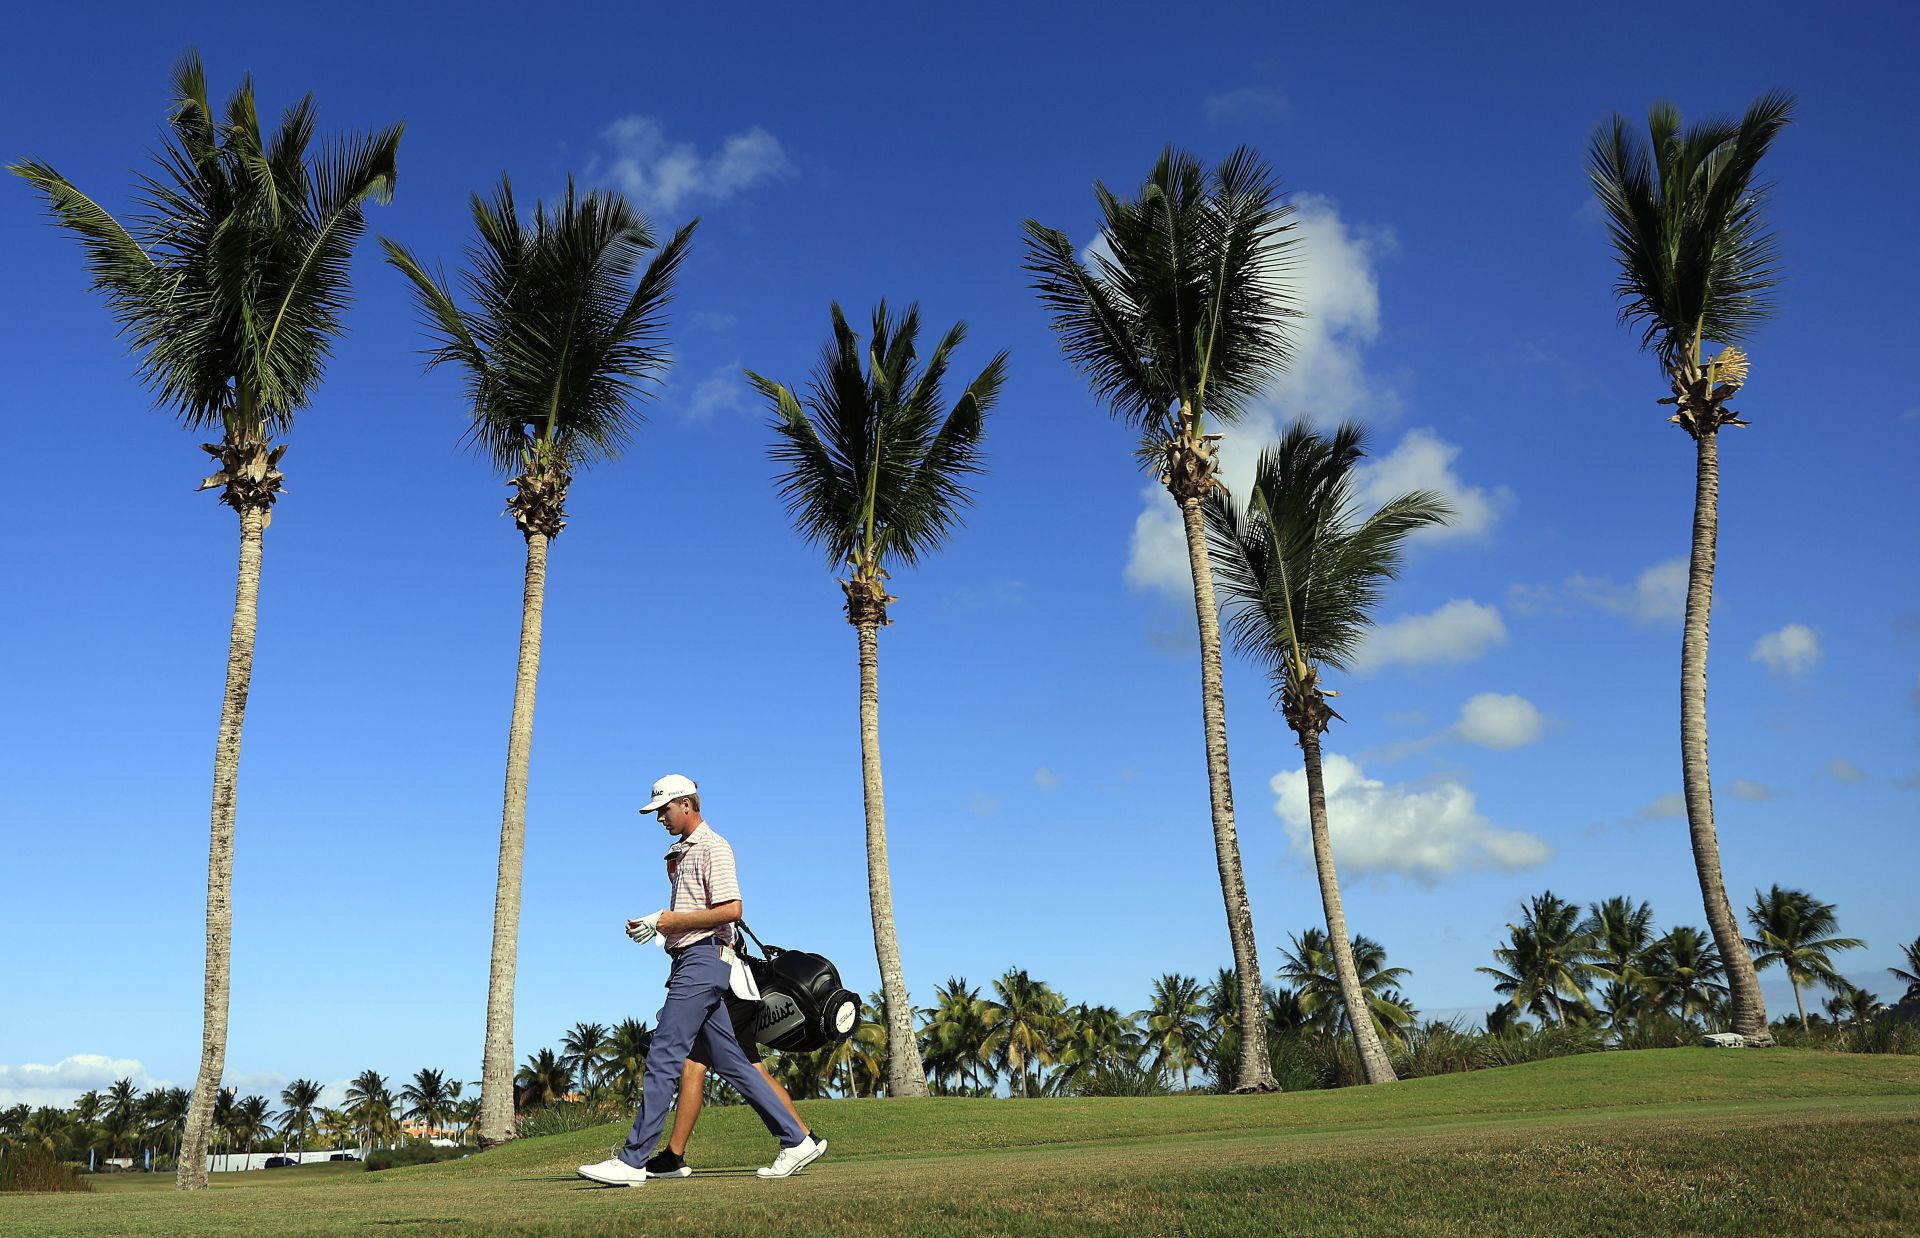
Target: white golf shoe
{"x": 792, "y": 1160}
{"x": 613, "y": 1172}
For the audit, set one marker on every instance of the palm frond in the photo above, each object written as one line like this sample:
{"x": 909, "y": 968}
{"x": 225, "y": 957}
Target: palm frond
{"x": 1697, "y": 261}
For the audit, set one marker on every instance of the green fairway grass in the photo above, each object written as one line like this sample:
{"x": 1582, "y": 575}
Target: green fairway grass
{"x": 1664, "y": 1141}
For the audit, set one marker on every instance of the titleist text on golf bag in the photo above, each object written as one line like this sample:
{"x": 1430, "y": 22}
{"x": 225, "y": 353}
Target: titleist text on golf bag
{"x": 803, "y": 1005}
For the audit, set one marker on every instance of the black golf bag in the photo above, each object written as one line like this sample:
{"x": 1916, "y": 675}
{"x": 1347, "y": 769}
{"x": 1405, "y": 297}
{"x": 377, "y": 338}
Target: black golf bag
{"x": 803, "y": 1006}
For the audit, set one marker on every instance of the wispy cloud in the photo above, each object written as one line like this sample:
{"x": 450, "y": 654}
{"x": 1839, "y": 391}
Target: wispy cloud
{"x": 59, "y": 1084}
{"x": 1668, "y": 807}
{"x": 1499, "y": 721}
{"x": 723, "y": 389}
{"x": 1656, "y": 596}
{"x": 1045, "y": 778}
{"x": 1842, "y": 770}
{"x": 1750, "y": 791}
{"x": 1248, "y": 100}
{"x": 662, "y": 175}
{"x": 1793, "y": 650}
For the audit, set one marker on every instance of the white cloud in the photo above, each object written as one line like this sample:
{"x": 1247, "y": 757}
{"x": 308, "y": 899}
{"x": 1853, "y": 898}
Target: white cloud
{"x": 1425, "y": 834}
{"x": 1044, "y": 777}
{"x": 723, "y": 390}
{"x": 1499, "y": 721}
{"x": 660, "y": 175}
{"x": 1658, "y": 595}
{"x": 60, "y": 1084}
{"x": 1842, "y": 770}
{"x": 1459, "y": 631}
{"x": 1750, "y": 791}
{"x": 1793, "y": 650}
{"x": 1247, "y": 99}
{"x": 1665, "y": 808}
{"x": 1424, "y": 461}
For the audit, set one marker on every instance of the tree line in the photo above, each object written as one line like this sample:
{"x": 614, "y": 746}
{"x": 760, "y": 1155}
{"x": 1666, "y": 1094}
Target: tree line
{"x": 233, "y": 281}
{"x": 1572, "y": 981}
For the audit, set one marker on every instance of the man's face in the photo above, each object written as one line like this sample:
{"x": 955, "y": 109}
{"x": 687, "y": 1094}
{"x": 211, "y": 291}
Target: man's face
{"x": 677, "y": 817}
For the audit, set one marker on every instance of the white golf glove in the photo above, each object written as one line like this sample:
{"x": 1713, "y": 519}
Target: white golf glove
{"x": 645, "y": 928}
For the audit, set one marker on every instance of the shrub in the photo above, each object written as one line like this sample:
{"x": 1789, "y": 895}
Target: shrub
{"x": 1436, "y": 1049}
{"x": 1126, "y": 1079}
{"x": 1534, "y": 1046}
{"x": 1660, "y": 1030}
{"x": 37, "y": 1169}
{"x": 564, "y": 1116}
{"x": 411, "y": 1154}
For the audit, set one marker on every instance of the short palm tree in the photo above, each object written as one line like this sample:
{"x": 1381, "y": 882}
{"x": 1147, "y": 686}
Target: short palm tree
{"x": 1311, "y": 969}
{"x": 953, "y": 1041}
{"x": 1697, "y": 265}
{"x": 874, "y": 471}
{"x": 1184, "y": 318}
{"x": 1098, "y": 1038}
{"x": 299, "y": 1097}
{"x": 427, "y": 1099}
{"x": 1174, "y": 1026}
{"x": 231, "y": 285}
{"x": 1910, "y": 974}
{"x": 543, "y": 1080}
{"x": 1624, "y": 947}
{"x": 1800, "y": 933}
{"x": 1547, "y": 963}
{"x": 585, "y": 1050}
{"x": 557, "y": 346}
{"x": 1303, "y": 570}
{"x": 625, "y": 1061}
{"x": 371, "y": 1105}
{"x": 1026, "y": 1023}
{"x": 336, "y": 1126}
{"x": 1685, "y": 967}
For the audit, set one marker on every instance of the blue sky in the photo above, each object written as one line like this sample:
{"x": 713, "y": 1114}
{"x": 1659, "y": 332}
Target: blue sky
{"x": 1514, "y": 728}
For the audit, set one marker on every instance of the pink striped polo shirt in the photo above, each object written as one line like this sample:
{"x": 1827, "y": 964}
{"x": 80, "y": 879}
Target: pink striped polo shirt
{"x": 703, "y": 874}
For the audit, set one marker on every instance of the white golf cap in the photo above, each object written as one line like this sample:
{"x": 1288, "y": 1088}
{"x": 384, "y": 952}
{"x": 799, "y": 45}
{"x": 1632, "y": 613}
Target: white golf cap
{"x": 668, "y": 789}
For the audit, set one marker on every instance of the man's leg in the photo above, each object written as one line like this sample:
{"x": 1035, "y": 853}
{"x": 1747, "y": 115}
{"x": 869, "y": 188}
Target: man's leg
{"x": 756, "y": 1088}
{"x": 782, "y": 1094}
{"x": 686, "y": 1111}
{"x": 691, "y": 998}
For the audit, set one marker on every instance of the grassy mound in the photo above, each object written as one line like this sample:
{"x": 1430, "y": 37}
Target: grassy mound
{"x": 1670, "y": 1141}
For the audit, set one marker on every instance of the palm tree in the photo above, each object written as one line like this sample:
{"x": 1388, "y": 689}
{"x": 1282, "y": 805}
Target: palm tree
{"x": 1025, "y": 1025}
{"x": 1098, "y": 1038}
{"x": 231, "y": 287}
{"x": 1697, "y": 264}
{"x": 1685, "y": 966}
{"x": 554, "y": 352}
{"x": 1174, "y": 1025}
{"x": 584, "y": 1050}
{"x": 371, "y": 1105}
{"x": 1303, "y": 570}
{"x": 1182, "y": 319}
{"x": 1910, "y": 974}
{"x": 953, "y": 1042}
{"x": 466, "y": 1112}
{"x": 626, "y": 1057}
{"x": 543, "y": 1080}
{"x": 1547, "y": 961}
{"x": 299, "y": 1097}
{"x": 428, "y": 1097}
{"x": 874, "y": 472}
{"x": 1311, "y": 968}
{"x": 1624, "y": 951}
{"x": 336, "y": 1126}
{"x": 250, "y": 1121}
{"x": 1798, "y": 932}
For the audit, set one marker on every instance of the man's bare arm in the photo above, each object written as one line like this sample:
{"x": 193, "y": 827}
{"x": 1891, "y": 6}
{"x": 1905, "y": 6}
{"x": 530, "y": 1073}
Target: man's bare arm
{"x": 689, "y": 921}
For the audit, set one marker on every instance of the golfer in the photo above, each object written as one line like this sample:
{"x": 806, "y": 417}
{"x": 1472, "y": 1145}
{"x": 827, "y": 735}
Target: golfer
{"x": 670, "y": 1161}
{"x": 697, "y": 931}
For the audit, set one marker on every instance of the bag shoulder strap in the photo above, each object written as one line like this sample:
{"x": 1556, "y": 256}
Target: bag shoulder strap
{"x": 769, "y": 951}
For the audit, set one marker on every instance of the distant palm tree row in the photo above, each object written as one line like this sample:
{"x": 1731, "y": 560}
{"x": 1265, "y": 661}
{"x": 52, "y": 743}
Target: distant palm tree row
{"x": 1180, "y": 317}
{"x": 1605, "y": 974}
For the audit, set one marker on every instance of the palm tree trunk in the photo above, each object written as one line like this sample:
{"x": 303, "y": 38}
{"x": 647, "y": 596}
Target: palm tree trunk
{"x": 496, "y": 1065}
{"x": 1254, "y": 1072}
{"x": 906, "y": 1075}
{"x": 1366, "y": 1038}
{"x": 190, "y": 1173}
{"x": 1743, "y": 985}
{"x": 1798, "y": 1001}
